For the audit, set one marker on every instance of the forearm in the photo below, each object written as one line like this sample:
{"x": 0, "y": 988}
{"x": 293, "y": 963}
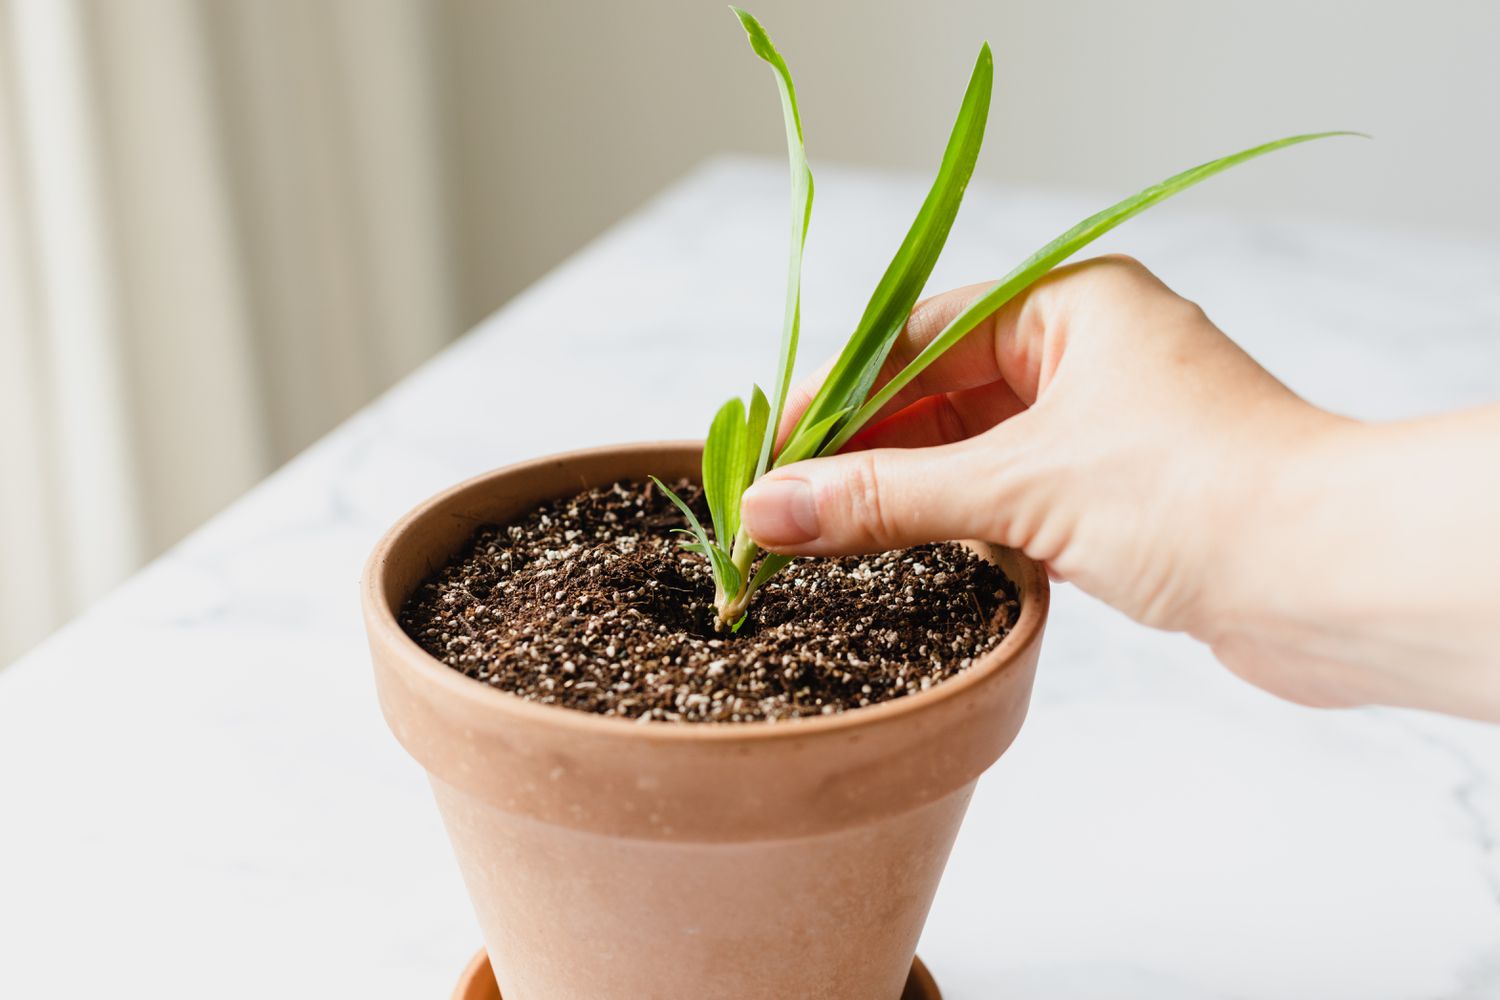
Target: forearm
{"x": 1373, "y": 565}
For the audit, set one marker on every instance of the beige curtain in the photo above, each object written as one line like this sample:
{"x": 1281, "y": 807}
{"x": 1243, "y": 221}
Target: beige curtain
{"x": 222, "y": 228}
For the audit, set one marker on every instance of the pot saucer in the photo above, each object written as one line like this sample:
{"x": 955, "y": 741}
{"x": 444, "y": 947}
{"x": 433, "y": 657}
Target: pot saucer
{"x": 478, "y": 982}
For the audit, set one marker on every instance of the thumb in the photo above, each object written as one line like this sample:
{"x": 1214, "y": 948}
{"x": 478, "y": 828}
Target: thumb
{"x": 870, "y": 501}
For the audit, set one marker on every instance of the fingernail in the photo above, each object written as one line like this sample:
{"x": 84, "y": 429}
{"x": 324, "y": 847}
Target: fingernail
{"x": 780, "y": 512}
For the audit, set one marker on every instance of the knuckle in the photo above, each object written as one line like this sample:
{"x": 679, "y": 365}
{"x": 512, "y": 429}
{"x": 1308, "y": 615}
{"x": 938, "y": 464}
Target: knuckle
{"x": 867, "y": 504}
{"x": 1192, "y": 312}
{"x": 1118, "y": 286}
{"x": 1123, "y": 262}
{"x": 927, "y": 316}
{"x": 1094, "y": 286}
{"x": 1122, "y": 273}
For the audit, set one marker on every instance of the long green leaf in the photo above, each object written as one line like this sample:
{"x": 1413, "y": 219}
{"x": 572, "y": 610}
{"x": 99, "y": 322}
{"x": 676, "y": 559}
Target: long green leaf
{"x": 723, "y": 459}
{"x": 859, "y": 364}
{"x": 1044, "y": 260}
{"x": 802, "y": 198}
{"x": 803, "y": 445}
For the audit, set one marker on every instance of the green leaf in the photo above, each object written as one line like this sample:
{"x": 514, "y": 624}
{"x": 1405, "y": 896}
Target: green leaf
{"x": 758, "y": 422}
{"x": 772, "y": 564}
{"x": 694, "y": 546}
{"x": 859, "y": 364}
{"x": 687, "y": 512}
{"x": 753, "y": 433}
{"x": 805, "y": 442}
{"x": 802, "y": 198}
{"x": 725, "y": 572}
{"x": 692, "y": 519}
{"x": 723, "y": 461}
{"x": 1044, "y": 260}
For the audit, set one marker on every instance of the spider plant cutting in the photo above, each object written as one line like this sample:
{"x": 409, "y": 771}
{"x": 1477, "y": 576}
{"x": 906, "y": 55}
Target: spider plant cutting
{"x": 740, "y": 447}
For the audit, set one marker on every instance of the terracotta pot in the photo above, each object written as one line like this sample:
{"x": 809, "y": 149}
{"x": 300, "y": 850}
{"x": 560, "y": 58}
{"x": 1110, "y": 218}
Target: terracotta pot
{"x": 611, "y": 860}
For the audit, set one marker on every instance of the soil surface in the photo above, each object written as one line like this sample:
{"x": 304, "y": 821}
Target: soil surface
{"x": 590, "y": 604}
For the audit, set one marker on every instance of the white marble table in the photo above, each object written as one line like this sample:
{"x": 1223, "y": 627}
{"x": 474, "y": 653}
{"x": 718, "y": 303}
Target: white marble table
{"x": 196, "y": 788}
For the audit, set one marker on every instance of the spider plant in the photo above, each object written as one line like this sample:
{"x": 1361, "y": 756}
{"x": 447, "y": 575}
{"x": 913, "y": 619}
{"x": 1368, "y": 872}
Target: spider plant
{"x": 740, "y": 446}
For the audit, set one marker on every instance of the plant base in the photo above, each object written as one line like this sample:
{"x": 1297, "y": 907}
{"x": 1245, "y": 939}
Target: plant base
{"x": 478, "y": 982}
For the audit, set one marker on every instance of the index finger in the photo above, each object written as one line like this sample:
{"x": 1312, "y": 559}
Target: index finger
{"x": 971, "y": 363}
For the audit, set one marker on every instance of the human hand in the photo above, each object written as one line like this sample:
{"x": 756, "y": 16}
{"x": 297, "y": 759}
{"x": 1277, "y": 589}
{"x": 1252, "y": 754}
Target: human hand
{"x": 1100, "y": 423}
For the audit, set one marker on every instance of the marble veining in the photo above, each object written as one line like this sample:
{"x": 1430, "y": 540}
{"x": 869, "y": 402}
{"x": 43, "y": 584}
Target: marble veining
{"x": 198, "y": 789}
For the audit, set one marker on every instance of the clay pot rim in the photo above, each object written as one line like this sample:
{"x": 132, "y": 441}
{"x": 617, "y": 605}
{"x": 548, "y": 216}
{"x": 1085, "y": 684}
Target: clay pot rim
{"x": 382, "y": 623}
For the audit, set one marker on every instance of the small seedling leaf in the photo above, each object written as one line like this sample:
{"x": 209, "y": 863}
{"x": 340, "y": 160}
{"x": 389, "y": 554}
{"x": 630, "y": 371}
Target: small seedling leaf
{"x": 725, "y": 572}
{"x": 698, "y": 533}
{"x": 772, "y": 564}
{"x": 723, "y": 461}
{"x": 757, "y": 422}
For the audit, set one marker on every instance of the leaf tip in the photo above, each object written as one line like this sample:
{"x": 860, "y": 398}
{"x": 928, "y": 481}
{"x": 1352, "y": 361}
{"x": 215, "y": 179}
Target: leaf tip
{"x": 1336, "y": 133}
{"x": 983, "y": 76}
{"x": 749, "y": 23}
{"x": 759, "y": 40}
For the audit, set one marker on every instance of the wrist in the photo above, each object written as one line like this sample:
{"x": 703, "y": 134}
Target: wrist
{"x": 1268, "y": 519}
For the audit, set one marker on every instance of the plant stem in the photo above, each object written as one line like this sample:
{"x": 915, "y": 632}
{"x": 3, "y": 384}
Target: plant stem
{"x": 732, "y": 606}
{"x": 743, "y": 553}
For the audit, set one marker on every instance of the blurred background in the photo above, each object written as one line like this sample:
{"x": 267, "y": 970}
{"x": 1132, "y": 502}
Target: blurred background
{"x": 227, "y": 224}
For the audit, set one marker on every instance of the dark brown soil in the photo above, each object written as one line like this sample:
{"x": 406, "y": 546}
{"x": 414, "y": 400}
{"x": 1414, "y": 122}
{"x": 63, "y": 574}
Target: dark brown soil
{"x": 589, "y": 603}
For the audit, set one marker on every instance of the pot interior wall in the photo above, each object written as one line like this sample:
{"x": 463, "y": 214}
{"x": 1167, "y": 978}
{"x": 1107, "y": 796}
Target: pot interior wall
{"x": 428, "y": 542}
